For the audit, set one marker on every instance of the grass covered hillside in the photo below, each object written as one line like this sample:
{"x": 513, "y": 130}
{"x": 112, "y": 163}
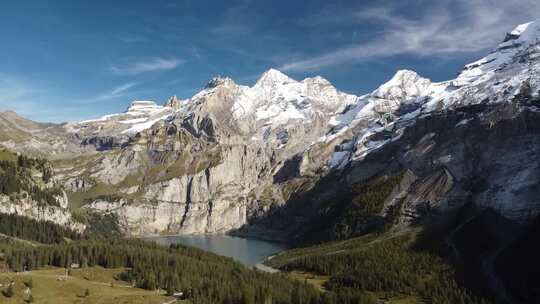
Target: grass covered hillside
{"x": 89, "y": 286}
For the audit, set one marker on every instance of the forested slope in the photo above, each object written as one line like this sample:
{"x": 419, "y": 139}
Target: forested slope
{"x": 386, "y": 265}
{"x": 204, "y": 277}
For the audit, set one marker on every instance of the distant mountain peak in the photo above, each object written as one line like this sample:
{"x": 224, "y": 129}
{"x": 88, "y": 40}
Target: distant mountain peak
{"x": 142, "y": 106}
{"x": 273, "y": 76}
{"x": 404, "y": 84}
{"x": 517, "y": 47}
{"x": 523, "y": 27}
{"x": 173, "y": 102}
{"x": 10, "y": 112}
{"x": 526, "y": 33}
{"x": 218, "y": 81}
{"x": 317, "y": 80}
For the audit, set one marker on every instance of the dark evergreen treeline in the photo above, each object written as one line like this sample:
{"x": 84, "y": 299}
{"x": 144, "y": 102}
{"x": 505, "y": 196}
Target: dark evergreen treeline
{"x": 204, "y": 277}
{"x": 16, "y": 180}
{"x": 389, "y": 267}
{"x": 40, "y": 164}
{"x": 39, "y": 231}
{"x": 355, "y": 211}
{"x": 98, "y": 225}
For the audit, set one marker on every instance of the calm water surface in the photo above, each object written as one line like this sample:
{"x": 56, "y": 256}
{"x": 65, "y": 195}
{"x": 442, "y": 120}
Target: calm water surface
{"x": 247, "y": 251}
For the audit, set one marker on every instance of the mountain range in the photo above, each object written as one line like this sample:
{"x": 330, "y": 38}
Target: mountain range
{"x": 263, "y": 160}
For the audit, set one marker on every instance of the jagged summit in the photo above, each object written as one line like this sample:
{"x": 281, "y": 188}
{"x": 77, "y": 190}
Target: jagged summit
{"x": 405, "y": 84}
{"x": 217, "y": 81}
{"x": 527, "y": 31}
{"x": 272, "y": 77}
{"x": 514, "y": 34}
{"x": 525, "y": 38}
{"x": 319, "y": 80}
{"x": 521, "y": 28}
{"x": 173, "y": 102}
{"x": 230, "y": 151}
{"x": 511, "y": 70}
{"x": 382, "y": 105}
{"x": 276, "y": 99}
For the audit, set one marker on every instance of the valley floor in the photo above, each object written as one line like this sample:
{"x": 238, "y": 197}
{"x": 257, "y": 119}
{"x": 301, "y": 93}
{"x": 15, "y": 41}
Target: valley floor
{"x": 50, "y": 286}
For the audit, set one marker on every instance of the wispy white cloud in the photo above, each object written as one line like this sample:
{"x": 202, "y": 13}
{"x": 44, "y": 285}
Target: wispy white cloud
{"x": 152, "y": 64}
{"x": 119, "y": 91}
{"x": 448, "y": 27}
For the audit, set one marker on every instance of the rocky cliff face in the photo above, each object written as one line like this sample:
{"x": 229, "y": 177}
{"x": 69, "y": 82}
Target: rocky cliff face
{"x": 205, "y": 165}
{"x": 233, "y": 155}
{"x": 32, "y": 209}
{"x": 468, "y": 140}
{"x": 481, "y": 129}
{"x": 29, "y": 188}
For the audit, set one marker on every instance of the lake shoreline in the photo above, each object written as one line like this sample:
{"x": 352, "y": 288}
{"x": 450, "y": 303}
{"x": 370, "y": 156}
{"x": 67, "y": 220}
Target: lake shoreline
{"x": 244, "y": 235}
{"x": 250, "y": 251}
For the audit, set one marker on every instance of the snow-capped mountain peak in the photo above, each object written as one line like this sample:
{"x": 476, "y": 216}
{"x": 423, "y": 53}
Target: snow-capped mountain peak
{"x": 276, "y": 99}
{"x": 272, "y": 77}
{"x": 317, "y": 80}
{"x": 219, "y": 81}
{"x": 512, "y": 69}
{"x": 380, "y": 107}
{"x": 139, "y": 116}
{"x": 405, "y": 84}
{"x": 173, "y": 102}
{"x": 519, "y": 39}
{"x": 527, "y": 31}
{"x": 521, "y": 28}
{"x": 143, "y": 106}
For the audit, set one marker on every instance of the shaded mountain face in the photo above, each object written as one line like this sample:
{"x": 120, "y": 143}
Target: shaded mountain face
{"x": 471, "y": 139}
{"x": 269, "y": 156}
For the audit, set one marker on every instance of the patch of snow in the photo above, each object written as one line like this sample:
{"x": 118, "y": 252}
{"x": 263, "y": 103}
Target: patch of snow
{"x": 143, "y": 126}
{"x": 134, "y": 121}
{"x": 405, "y": 85}
{"x": 520, "y": 29}
{"x": 276, "y": 99}
{"x": 464, "y": 122}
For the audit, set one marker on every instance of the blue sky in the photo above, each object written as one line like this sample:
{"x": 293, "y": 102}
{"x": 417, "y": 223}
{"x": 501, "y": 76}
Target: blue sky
{"x": 74, "y": 60}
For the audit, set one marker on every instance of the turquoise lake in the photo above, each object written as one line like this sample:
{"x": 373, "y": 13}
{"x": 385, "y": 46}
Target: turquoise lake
{"x": 246, "y": 251}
